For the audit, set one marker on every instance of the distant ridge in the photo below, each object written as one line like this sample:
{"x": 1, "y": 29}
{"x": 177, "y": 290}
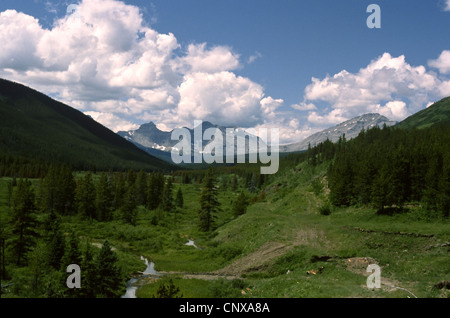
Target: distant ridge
{"x": 351, "y": 128}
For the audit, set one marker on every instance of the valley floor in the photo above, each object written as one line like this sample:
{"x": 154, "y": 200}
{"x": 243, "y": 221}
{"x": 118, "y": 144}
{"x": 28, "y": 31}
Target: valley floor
{"x": 281, "y": 247}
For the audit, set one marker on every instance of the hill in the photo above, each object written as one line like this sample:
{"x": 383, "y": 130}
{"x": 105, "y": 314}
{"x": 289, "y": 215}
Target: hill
{"x": 438, "y": 113}
{"x": 36, "y": 129}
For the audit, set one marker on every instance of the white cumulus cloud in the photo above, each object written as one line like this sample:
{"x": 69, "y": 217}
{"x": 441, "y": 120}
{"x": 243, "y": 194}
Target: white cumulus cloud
{"x": 442, "y": 63}
{"x": 220, "y": 98}
{"x": 105, "y": 60}
{"x": 389, "y": 81}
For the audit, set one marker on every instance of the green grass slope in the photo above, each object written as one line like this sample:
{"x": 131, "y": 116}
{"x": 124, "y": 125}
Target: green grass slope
{"x": 35, "y": 127}
{"x": 438, "y": 113}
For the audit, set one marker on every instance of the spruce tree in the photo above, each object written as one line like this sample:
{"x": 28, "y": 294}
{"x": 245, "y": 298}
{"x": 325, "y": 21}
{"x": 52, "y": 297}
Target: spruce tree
{"x": 56, "y": 248}
{"x": 167, "y": 196}
{"x": 129, "y": 206}
{"x": 23, "y": 222}
{"x": 141, "y": 188}
{"x": 209, "y": 204}
{"x": 179, "y": 201}
{"x": 110, "y": 284}
{"x": 240, "y": 205}
{"x": 119, "y": 191}
{"x": 85, "y": 197}
{"x": 72, "y": 253}
{"x": 89, "y": 275}
{"x": 104, "y": 199}
{"x": 155, "y": 190}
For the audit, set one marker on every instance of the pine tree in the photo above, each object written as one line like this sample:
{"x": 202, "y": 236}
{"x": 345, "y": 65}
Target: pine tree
{"x": 119, "y": 191}
{"x": 36, "y": 259}
{"x": 179, "y": 199}
{"x": 72, "y": 253}
{"x": 155, "y": 190}
{"x": 23, "y": 220}
{"x": 104, "y": 199}
{"x": 131, "y": 178}
{"x": 141, "y": 188}
{"x": 167, "y": 196}
{"x": 110, "y": 284}
{"x": 67, "y": 185}
{"x": 85, "y": 197}
{"x": 58, "y": 190}
{"x": 209, "y": 204}
{"x": 89, "y": 276}
{"x": 381, "y": 189}
{"x": 240, "y": 205}
{"x": 129, "y": 207}
{"x": 55, "y": 248}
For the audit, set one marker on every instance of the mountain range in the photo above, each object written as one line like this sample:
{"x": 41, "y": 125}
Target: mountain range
{"x": 158, "y": 143}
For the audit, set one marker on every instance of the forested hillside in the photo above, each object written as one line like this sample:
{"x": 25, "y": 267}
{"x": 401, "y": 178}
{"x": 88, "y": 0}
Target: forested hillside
{"x": 389, "y": 168}
{"x": 36, "y": 131}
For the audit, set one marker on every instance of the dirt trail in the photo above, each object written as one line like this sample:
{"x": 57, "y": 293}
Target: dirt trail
{"x": 258, "y": 259}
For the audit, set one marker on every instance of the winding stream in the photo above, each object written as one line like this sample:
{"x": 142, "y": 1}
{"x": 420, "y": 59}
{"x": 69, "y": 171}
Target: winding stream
{"x": 149, "y": 271}
{"x": 131, "y": 283}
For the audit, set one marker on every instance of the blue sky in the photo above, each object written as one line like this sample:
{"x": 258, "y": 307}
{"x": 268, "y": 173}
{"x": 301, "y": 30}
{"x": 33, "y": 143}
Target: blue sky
{"x": 300, "y": 66}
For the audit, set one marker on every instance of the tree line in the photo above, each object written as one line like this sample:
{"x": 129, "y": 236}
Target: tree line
{"x": 389, "y": 167}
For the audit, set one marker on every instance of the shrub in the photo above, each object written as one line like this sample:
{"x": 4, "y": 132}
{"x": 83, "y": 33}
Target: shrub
{"x": 325, "y": 209}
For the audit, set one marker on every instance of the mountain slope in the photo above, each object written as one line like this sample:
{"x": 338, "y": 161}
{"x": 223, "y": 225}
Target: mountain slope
{"x": 36, "y": 128}
{"x": 438, "y": 113}
{"x": 351, "y": 128}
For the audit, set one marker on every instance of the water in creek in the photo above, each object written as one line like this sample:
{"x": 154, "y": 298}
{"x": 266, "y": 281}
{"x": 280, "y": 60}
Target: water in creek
{"x": 149, "y": 271}
{"x": 131, "y": 284}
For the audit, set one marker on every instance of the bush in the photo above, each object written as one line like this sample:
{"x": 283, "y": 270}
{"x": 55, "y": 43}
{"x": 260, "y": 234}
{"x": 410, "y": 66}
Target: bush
{"x": 223, "y": 288}
{"x": 325, "y": 209}
{"x": 227, "y": 252}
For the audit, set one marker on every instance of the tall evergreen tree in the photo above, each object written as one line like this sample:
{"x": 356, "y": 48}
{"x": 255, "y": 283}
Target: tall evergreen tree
{"x": 129, "y": 206}
{"x": 119, "y": 191}
{"x": 155, "y": 190}
{"x": 240, "y": 205}
{"x": 179, "y": 201}
{"x": 55, "y": 248}
{"x": 209, "y": 204}
{"x": 141, "y": 188}
{"x": 167, "y": 196}
{"x": 58, "y": 190}
{"x": 23, "y": 221}
{"x": 104, "y": 199}
{"x": 111, "y": 283}
{"x": 89, "y": 277}
{"x": 72, "y": 253}
{"x": 85, "y": 197}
